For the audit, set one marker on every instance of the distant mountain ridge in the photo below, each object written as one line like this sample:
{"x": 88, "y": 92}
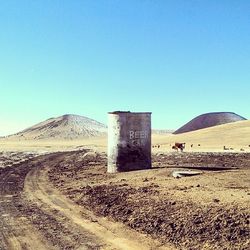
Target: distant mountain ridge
{"x": 209, "y": 120}
{"x": 68, "y": 126}
{"x": 162, "y": 131}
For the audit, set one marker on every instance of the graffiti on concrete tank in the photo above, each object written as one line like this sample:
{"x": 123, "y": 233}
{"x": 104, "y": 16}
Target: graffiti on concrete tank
{"x": 137, "y": 137}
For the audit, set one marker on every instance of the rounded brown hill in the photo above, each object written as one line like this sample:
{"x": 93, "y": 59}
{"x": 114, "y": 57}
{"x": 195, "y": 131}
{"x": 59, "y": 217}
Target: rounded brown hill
{"x": 209, "y": 120}
{"x": 63, "y": 127}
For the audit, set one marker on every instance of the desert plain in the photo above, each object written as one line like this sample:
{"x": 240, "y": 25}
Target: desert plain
{"x": 57, "y": 194}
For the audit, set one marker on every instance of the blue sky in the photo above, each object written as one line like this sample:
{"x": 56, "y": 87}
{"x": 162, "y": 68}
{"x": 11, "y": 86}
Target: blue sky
{"x": 177, "y": 59}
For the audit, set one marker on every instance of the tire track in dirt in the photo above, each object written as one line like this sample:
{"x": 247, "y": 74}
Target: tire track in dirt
{"x": 7, "y": 236}
{"x": 191, "y": 213}
{"x": 18, "y": 229}
{"x": 99, "y": 232}
{"x": 26, "y": 224}
{"x": 15, "y": 232}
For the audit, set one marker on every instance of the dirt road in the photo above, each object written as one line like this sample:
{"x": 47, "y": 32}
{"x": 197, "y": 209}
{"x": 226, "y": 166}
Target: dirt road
{"x": 35, "y": 215}
{"x": 15, "y": 230}
{"x": 67, "y": 200}
{"x": 209, "y": 211}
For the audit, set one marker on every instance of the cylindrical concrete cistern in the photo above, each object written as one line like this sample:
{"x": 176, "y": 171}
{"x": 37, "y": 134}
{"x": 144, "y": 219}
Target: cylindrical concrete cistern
{"x": 129, "y": 141}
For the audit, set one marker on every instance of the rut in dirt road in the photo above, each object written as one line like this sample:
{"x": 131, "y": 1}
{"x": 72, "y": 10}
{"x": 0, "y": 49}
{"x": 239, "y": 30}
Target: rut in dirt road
{"x": 15, "y": 231}
{"x": 25, "y": 224}
{"x": 183, "y": 212}
{"x": 36, "y": 216}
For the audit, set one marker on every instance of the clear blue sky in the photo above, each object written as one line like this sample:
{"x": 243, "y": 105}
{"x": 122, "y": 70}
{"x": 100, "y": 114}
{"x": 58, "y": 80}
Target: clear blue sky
{"x": 178, "y": 59}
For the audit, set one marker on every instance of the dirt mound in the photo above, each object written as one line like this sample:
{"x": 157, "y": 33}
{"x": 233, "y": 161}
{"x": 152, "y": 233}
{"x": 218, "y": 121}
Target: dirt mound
{"x": 205, "y": 212}
{"x": 209, "y": 120}
{"x": 63, "y": 127}
{"x": 182, "y": 223}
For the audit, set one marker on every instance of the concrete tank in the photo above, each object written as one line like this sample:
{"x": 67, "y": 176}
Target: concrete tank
{"x": 129, "y": 141}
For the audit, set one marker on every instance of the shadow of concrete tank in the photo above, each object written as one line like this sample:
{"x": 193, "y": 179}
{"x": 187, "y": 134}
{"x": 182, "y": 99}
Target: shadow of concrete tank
{"x": 129, "y": 141}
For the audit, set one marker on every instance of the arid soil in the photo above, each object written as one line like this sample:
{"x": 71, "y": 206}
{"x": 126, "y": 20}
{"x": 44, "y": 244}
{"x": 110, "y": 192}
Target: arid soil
{"x": 35, "y": 215}
{"x": 210, "y": 211}
{"x": 10, "y": 159}
{"x": 67, "y": 200}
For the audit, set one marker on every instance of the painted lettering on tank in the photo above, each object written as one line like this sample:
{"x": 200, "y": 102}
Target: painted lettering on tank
{"x": 137, "y": 137}
{"x": 138, "y": 134}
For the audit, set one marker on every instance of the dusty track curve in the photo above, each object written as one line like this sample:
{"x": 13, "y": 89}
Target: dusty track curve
{"x": 34, "y": 215}
{"x": 16, "y": 232}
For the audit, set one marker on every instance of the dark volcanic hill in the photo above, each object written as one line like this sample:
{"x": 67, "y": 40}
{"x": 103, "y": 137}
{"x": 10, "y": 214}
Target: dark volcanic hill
{"x": 63, "y": 127}
{"x": 209, "y": 120}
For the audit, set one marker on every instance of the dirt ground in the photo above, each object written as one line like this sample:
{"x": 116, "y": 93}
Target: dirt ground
{"x": 66, "y": 200}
